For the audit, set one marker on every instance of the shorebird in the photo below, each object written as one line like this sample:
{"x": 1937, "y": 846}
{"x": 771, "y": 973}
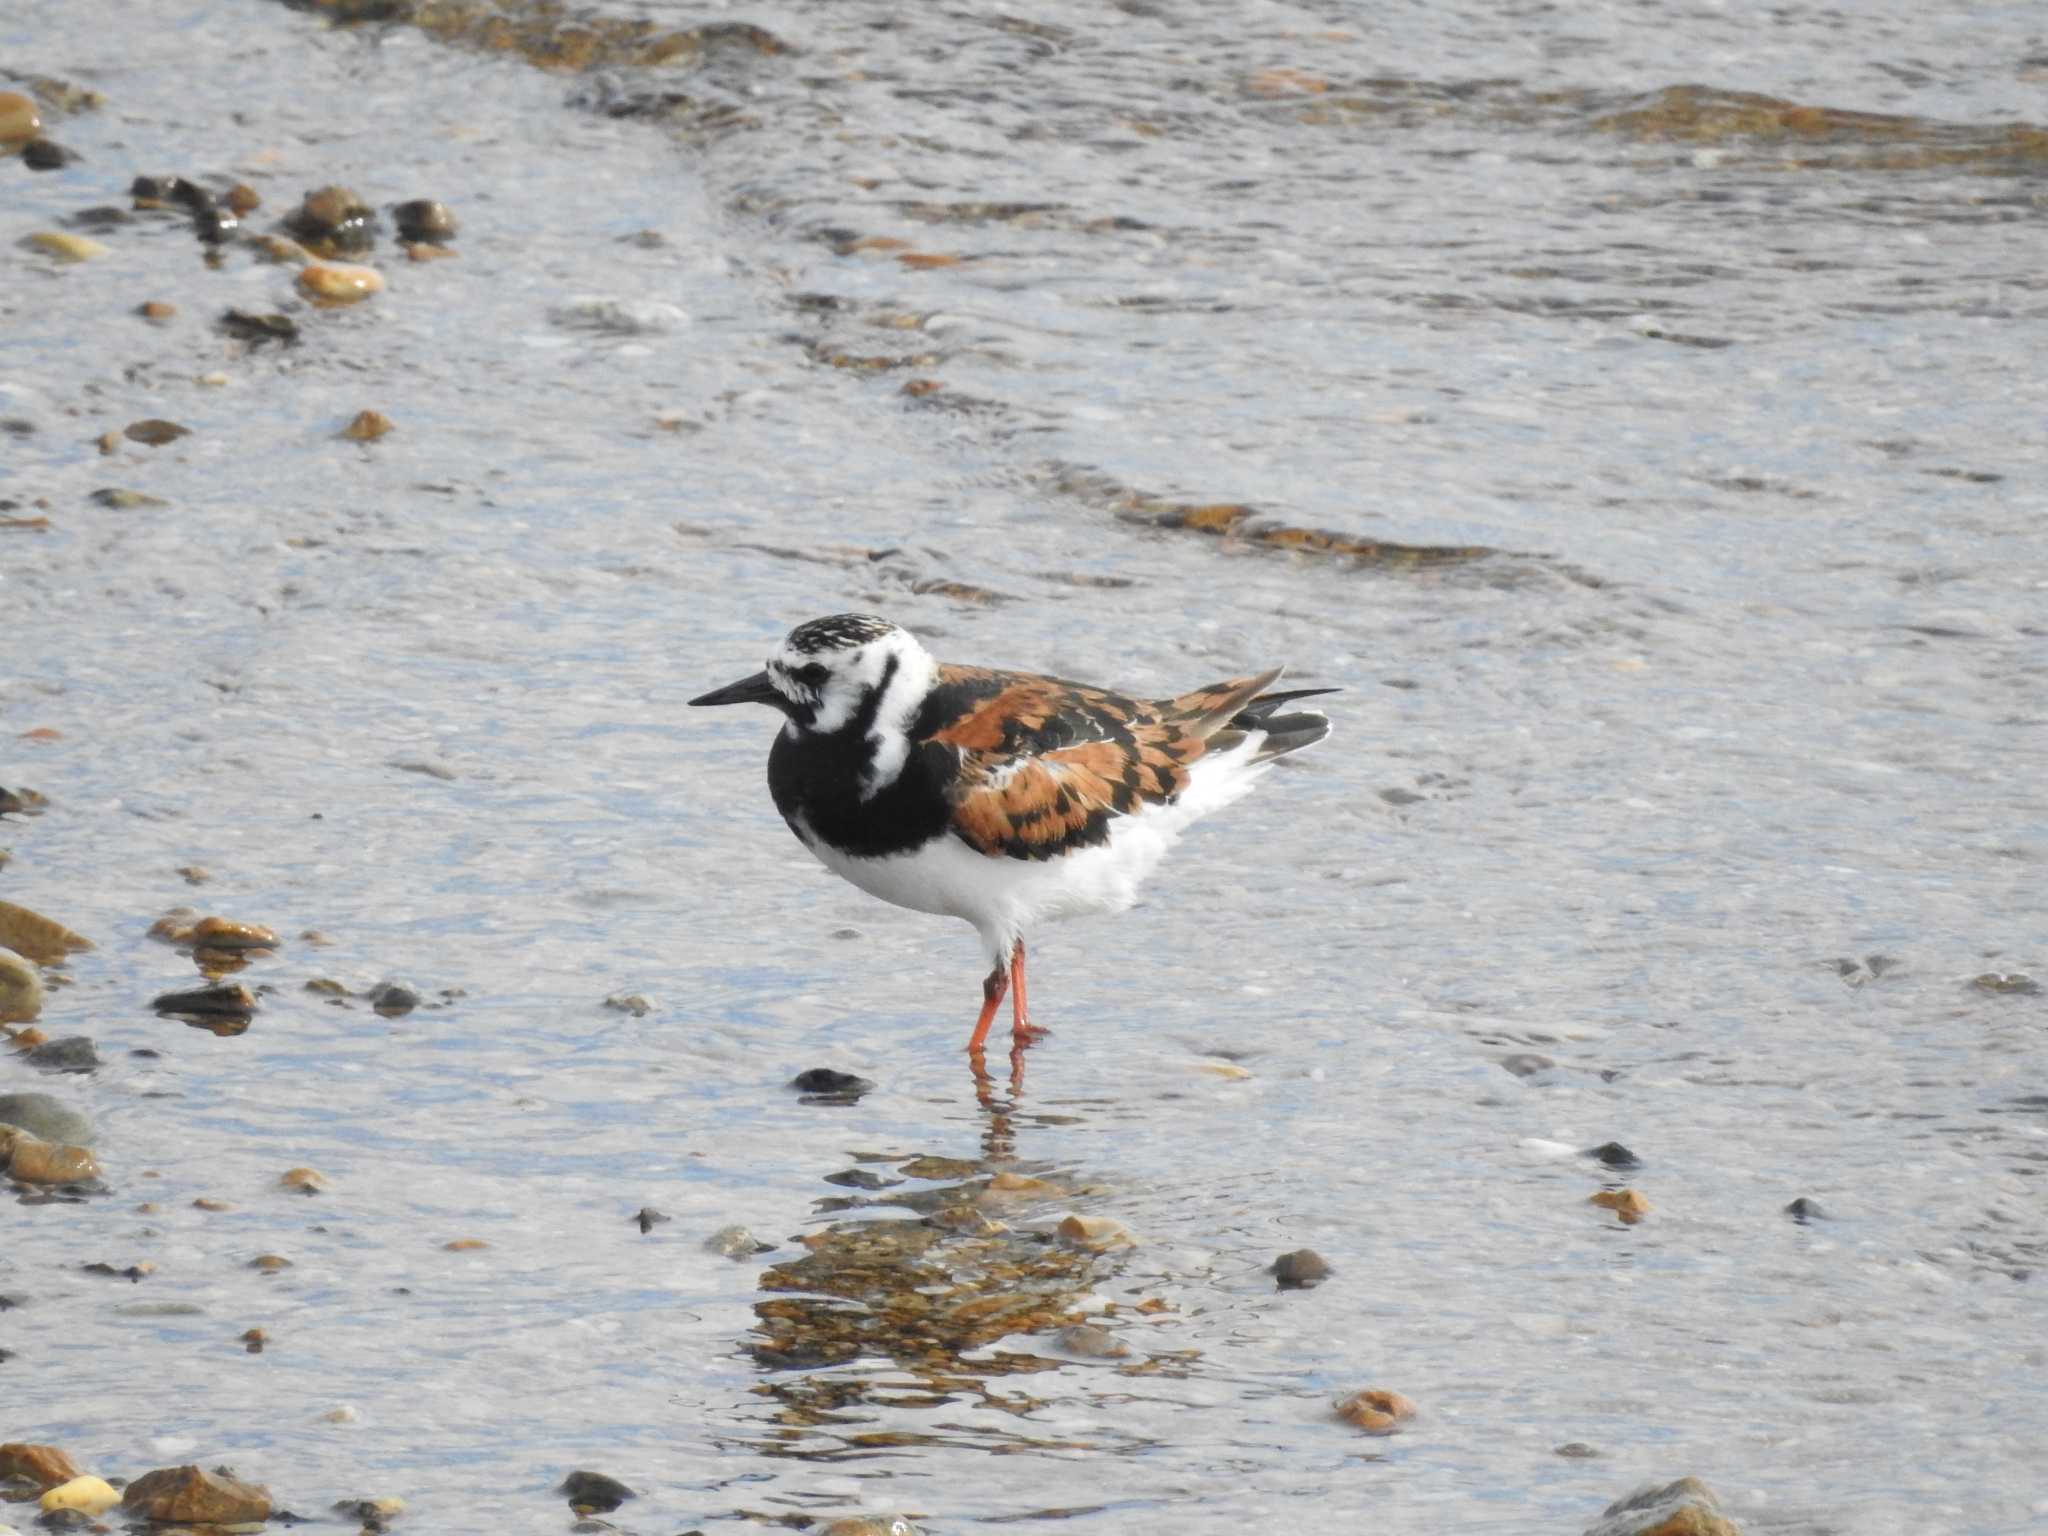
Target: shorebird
{"x": 1004, "y": 798}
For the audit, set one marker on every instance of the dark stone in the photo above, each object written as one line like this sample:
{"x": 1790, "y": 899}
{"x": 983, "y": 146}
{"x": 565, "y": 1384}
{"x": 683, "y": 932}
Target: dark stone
{"x": 257, "y": 329}
{"x": 1301, "y": 1270}
{"x": 423, "y": 219}
{"x": 1526, "y": 1063}
{"x": 1804, "y": 1210}
{"x": 103, "y": 216}
{"x": 46, "y": 155}
{"x": 1577, "y": 1450}
{"x": 229, "y": 1000}
{"x": 392, "y": 998}
{"x": 1614, "y": 1155}
{"x": 215, "y": 226}
{"x": 649, "y": 1218}
{"x": 860, "y": 1178}
{"x": 73, "y": 1053}
{"x": 594, "y": 1491}
{"x": 844, "y": 1086}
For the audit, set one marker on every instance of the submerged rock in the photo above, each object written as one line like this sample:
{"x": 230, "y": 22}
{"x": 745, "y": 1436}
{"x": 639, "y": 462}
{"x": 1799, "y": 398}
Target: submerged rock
{"x": 1684, "y": 1508}
{"x": 332, "y": 221}
{"x": 1093, "y": 1234}
{"x": 44, "y": 1115}
{"x": 594, "y": 1492}
{"x": 231, "y": 1001}
{"x": 339, "y": 282}
{"x": 1091, "y": 1341}
{"x": 1801, "y": 1210}
{"x": 870, "y": 1525}
{"x": 192, "y": 1495}
{"x": 73, "y": 1053}
{"x": 735, "y": 1243}
{"x": 19, "y": 119}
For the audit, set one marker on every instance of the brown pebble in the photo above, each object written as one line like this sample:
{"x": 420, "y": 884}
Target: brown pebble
{"x": 367, "y": 427}
{"x": 193, "y": 874}
{"x": 1628, "y": 1204}
{"x": 420, "y": 250}
{"x": 1376, "y": 1410}
{"x": 205, "y": 1204}
{"x": 339, "y": 283}
{"x": 925, "y": 261}
{"x": 254, "y": 1339}
{"x": 465, "y": 1244}
{"x": 156, "y": 311}
{"x": 193, "y": 1496}
{"x": 154, "y": 432}
{"x": 286, "y": 253}
{"x": 225, "y": 933}
{"x": 270, "y": 1262}
{"x": 44, "y": 1465}
{"x": 332, "y": 220}
{"x": 19, "y": 120}
{"x": 34, "y": 1161}
{"x": 308, "y": 1180}
{"x": 1093, "y": 1233}
{"x": 1301, "y": 1269}
{"x": 242, "y": 200}
{"x": 109, "y": 442}
{"x": 36, "y": 937}
{"x": 63, "y": 246}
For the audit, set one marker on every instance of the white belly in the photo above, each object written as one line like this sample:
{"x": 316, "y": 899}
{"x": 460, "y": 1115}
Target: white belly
{"x": 1004, "y": 897}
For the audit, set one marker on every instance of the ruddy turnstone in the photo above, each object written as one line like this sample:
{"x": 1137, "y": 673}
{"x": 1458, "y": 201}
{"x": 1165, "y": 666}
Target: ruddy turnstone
{"x": 1003, "y": 798}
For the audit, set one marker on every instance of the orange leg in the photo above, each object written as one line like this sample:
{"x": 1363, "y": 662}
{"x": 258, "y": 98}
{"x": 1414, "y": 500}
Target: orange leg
{"x": 1022, "y": 1030}
{"x": 992, "y": 988}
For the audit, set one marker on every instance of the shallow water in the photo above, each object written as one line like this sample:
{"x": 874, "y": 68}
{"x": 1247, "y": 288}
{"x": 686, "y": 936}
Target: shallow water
{"x": 1742, "y": 396}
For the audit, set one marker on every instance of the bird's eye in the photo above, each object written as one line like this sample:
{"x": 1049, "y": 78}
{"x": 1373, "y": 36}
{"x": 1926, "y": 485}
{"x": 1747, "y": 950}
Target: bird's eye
{"x": 810, "y": 676}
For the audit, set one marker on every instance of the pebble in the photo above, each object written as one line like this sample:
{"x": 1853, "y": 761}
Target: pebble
{"x": 229, "y": 1001}
{"x": 630, "y": 1003}
{"x": 1300, "y": 1270}
{"x": 1091, "y": 1341}
{"x": 1687, "y": 1507}
{"x": 735, "y": 1243}
{"x": 270, "y": 1263}
{"x": 1629, "y": 1204}
{"x": 125, "y": 501}
{"x": 1376, "y": 1410}
{"x": 1576, "y": 1450}
{"x": 305, "y": 1180}
{"x": 19, "y": 120}
{"x": 870, "y": 1525}
{"x": 44, "y": 1465}
{"x": 390, "y": 1507}
{"x": 72, "y": 1053}
{"x": 1614, "y": 1155}
{"x": 46, "y": 1117}
{"x": 156, "y": 311}
{"x": 339, "y": 283}
{"x": 1526, "y": 1063}
{"x": 829, "y": 1080}
{"x": 1093, "y": 1234}
{"x": 928, "y": 1167}
{"x": 393, "y": 998}
{"x": 423, "y": 219}
{"x": 618, "y": 317}
{"x": 242, "y": 200}
{"x": 860, "y": 1178}
{"x": 35, "y": 1161}
{"x": 64, "y": 247}
{"x": 286, "y": 253}
{"x": 223, "y": 933}
{"x": 21, "y": 989}
{"x": 192, "y": 1495}
{"x": 367, "y": 427}
{"x": 154, "y": 433}
{"x": 333, "y": 219}
{"x": 87, "y": 1495}
{"x": 46, "y": 155}
{"x": 1801, "y": 1210}
{"x": 595, "y": 1492}
{"x": 36, "y": 937}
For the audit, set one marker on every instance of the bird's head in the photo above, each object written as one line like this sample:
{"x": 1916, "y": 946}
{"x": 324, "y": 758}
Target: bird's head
{"x": 836, "y": 671}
